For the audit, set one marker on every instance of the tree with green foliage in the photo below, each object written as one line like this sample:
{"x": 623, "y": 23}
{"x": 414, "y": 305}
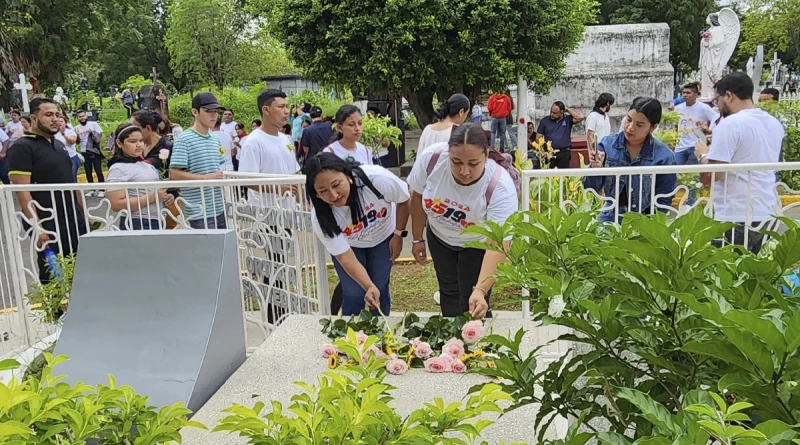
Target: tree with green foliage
{"x": 686, "y": 18}
{"x": 774, "y": 25}
{"x": 424, "y": 47}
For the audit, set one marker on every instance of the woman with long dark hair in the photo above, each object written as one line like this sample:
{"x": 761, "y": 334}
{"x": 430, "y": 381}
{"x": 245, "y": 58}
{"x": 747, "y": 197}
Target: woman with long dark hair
{"x": 636, "y": 146}
{"x": 360, "y": 215}
{"x": 129, "y": 165}
{"x": 455, "y": 185}
{"x": 346, "y": 139}
{"x": 454, "y": 111}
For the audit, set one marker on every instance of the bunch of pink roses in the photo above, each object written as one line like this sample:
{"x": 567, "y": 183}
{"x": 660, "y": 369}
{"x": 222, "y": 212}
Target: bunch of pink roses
{"x": 453, "y": 357}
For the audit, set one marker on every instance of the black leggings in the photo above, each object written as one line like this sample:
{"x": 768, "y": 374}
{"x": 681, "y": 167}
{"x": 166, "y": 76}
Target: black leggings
{"x": 457, "y": 271}
{"x": 93, "y": 162}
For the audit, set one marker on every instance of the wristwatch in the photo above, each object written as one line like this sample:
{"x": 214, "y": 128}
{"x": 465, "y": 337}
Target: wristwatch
{"x": 401, "y": 233}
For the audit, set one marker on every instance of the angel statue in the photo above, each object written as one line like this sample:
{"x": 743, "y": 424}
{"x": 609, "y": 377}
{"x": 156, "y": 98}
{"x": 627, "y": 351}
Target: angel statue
{"x": 716, "y": 47}
{"x": 60, "y": 98}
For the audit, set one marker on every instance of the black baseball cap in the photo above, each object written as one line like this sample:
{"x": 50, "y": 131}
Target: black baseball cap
{"x": 205, "y": 100}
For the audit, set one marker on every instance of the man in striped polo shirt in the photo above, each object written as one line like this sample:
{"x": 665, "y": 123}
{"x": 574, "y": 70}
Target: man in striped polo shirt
{"x": 197, "y": 155}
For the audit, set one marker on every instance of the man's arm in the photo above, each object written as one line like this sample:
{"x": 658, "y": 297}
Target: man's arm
{"x": 577, "y": 116}
{"x": 177, "y": 174}
{"x": 4, "y": 149}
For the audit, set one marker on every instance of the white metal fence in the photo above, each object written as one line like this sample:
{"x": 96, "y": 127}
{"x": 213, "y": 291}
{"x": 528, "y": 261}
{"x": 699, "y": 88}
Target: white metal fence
{"x": 282, "y": 262}
{"x": 727, "y": 192}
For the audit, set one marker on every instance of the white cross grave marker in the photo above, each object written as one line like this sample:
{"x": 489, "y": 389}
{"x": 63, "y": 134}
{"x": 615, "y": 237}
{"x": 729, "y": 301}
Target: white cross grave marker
{"x": 23, "y": 86}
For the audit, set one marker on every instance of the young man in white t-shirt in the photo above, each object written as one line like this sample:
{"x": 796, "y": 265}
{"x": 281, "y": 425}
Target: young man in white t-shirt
{"x": 228, "y": 125}
{"x": 69, "y": 137}
{"x": 268, "y": 150}
{"x": 598, "y": 124}
{"x": 747, "y": 135}
{"x": 696, "y": 117}
{"x": 226, "y": 141}
{"x": 14, "y": 128}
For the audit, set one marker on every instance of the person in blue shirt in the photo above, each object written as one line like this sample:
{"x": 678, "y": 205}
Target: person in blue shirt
{"x": 635, "y": 146}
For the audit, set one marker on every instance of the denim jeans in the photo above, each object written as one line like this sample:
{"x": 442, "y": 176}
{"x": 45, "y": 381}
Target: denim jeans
{"x": 4, "y": 171}
{"x": 499, "y": 131}
{"x": 139, "y": 224}
{"x": 512, "y": 134}
{"x": 687, "y": 157}
{"x": 379, "y": 267}
{"x": 215, "y": 222}
{"x": 457, "y": 271}
{"x": 76, "y": 163}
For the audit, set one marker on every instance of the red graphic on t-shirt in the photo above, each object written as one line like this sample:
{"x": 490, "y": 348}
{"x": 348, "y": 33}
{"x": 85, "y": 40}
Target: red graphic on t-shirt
{"x": 370, "y": 219}
{"x": 450, "y": 211}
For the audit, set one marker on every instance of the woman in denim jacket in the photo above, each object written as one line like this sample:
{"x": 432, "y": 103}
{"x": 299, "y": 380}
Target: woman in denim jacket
{"x": 636, "y": 146}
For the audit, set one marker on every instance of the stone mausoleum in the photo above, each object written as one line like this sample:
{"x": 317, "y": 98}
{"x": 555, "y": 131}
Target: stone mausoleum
{"x": 624, "y": 60}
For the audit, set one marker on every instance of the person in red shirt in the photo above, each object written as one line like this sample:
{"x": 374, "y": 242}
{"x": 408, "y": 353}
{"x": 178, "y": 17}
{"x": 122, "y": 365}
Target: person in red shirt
{"x": 499, "y": 106}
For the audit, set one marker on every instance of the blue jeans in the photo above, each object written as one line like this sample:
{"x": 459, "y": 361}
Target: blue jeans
{"x": 139, "y": 224}
{"x": 687, "y": 157}
{"x": 215, "y": 222}
{"x": 4, "y": 171}
{"x": 513, "y": 136}
{"x": 499, "y": 131}
{"x": 379, "y": 267}
{"x": 76, "y": 163}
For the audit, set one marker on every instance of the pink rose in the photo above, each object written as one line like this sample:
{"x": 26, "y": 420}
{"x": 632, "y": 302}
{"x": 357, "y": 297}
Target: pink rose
{"x": 458, "y": 367}
{"x": 423, "y": 350}
{"x": 472, "y": 332}
{"x": 449, "y": 358}
{"x": 437, "y": 365}
{"x": 361, "y": 337}
{"x": 329, "y": 350}
{"x": 396, "y": 367}
{"x": 163, "y": 154}
{"x": 454, "y": 347}
{"x": 415, "y": 342}
{"x": 374, "y": 350}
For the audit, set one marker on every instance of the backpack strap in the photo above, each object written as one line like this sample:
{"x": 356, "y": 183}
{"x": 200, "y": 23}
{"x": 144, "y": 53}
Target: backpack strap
{"x": 435, "y": 158}
{"x": 330, "y": 149}
{"x": 498, "y": 174}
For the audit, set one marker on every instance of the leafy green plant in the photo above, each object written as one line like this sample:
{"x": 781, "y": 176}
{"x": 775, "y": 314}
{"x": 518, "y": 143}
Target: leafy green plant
{"x": 379, "y": 134}
{"x": 655, "y": 310}
{"x": 48, "y": 411}
{"x": 351, "y": 405}
{"x": 788, "y": 112}
{"x": 52, "y": 298}
{"x": 668, "y": 137}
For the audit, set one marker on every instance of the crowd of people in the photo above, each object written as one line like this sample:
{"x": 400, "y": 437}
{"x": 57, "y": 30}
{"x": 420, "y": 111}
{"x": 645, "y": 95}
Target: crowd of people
{"x": 361, "y": 211}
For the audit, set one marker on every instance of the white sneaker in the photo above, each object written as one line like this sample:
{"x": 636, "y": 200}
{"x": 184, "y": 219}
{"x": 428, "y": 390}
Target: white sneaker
{"x": 101, "y": 194}
{"x": 91, "y": 194}
{"x": 436, "y": 297}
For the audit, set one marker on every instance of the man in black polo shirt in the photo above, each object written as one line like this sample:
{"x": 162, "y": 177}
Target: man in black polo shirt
{"x": 557, "y": 129}
{"x": 39, "y": 158}
{"x": 316, "y": 136}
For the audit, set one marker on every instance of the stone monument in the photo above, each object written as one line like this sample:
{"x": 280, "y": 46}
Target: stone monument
{"x": 624, "y": 60}
{"x": 754, "y": 69}
{"x": 716, "y": 47}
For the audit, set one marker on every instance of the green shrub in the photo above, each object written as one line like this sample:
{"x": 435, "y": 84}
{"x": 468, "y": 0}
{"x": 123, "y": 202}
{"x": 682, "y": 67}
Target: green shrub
{"x": 52, "y": 297}
{"x": 349, "y": 405}
{"x": 788, "y": 112}
{"x": 48, "y": 411}
{"x": 658, "y": 314}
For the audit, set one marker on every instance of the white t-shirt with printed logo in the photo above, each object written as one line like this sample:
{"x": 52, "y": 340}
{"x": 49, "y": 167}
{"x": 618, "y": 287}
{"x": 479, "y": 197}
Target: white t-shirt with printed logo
{"x": 264, "y": 153}
{"x": 379, "y": 219}
{"x": 227, "y": 142}
{"x": 451, "y": 207}
{"x": 362, "y": 154}
{"x": 690, "y": 117}
{"x": 69, "y": 147}
{"x": 750, "y": 136}
{"x": 600, "y": 124}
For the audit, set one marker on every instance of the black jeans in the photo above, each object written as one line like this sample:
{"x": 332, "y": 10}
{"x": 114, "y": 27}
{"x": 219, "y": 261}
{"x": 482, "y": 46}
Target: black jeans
{"x": 737, "y": 236}
{"x": 94, "y": 162}
{"x": 457, "y": 271}
{"x": 561, "y": 159}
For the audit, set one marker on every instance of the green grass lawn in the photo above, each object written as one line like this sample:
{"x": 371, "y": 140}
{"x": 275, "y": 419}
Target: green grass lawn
{"x": 413, "y": 286}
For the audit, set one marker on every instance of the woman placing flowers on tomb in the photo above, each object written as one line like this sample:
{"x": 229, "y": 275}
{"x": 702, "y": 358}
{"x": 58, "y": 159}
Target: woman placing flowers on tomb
{"x": 455, "y": 185}
{"x": 360, "y": 215}
{"x": 635, "y": 146}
